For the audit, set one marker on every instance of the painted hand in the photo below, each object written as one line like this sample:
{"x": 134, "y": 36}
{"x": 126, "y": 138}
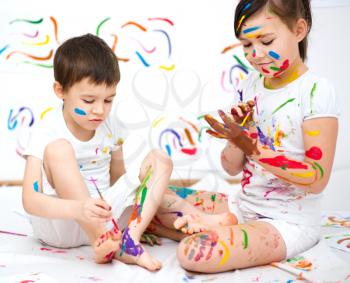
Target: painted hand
{"x": 243, "y": 138}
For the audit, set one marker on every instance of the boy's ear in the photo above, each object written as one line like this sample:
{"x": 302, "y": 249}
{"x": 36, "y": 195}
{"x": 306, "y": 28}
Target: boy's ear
{"x": 301, "y": 29}
{"x": 57, "y": 88}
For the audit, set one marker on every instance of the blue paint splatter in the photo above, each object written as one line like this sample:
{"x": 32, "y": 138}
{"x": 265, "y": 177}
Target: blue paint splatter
{"x": 182, "y": 192}
{"x": 274, "y": 55}
{"x": 36, "y": 186}
{"x": 248, "y": 30}
{"x": 79, "y": 111}
{"x": 142, "y": 59}
{"x": 128, "y": 245}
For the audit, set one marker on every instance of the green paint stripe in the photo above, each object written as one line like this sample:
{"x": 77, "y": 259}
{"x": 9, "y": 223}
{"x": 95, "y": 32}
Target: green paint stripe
{"x": 241, "y": 63}
{"x": 312, "y": 94}
{"x": 245, "y": 241}
{"x": 100, "y": 25}
{"x": 319, "y": 168}
{"x": 143, "y": 184}
{"x": 27, "y": 21}
{"x": 49, "y": 66}
{"x": 284, "y": 104}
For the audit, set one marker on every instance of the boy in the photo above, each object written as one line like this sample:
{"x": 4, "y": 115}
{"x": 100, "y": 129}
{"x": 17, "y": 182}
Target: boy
{"x": 76, "y": 152}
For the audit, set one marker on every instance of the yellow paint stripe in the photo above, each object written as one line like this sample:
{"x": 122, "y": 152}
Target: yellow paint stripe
{"x": 226, "y": 253}
{"x": 44, "y": 112}
{"x": 304, "y": 175}
{"x": 313, "y": 133}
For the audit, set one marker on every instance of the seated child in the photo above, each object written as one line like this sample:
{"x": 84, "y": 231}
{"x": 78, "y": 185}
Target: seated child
{"x": 75, "y": 183}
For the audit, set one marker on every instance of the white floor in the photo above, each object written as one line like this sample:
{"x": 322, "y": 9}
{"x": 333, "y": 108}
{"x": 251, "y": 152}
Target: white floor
{"x": 23, "y": 259}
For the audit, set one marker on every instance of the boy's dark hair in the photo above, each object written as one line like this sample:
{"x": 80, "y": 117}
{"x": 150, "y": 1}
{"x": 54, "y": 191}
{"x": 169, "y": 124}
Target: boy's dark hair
{"x": 287, "y": 10}
{"x": 85, "y": 56}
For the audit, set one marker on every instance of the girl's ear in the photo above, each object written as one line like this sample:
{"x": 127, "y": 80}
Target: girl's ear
{"x": 301, "y": 29}
{"x": 57, "y": 88}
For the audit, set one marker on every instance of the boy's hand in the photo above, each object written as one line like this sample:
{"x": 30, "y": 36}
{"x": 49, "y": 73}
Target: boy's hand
{"x": 94, "y": 210}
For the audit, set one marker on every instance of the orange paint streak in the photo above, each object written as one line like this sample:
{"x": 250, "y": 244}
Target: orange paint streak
{"x": 55, "y": 28}
{"x": 134, "y": 24}
{"x": 31, "y": 56}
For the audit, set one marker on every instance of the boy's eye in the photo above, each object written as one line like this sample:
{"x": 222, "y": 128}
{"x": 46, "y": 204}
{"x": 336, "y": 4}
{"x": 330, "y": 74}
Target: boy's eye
{"x": 268, "y": 42}
{"x": 247, "y": 45}
{"x": 88, "y": 101}
{"x": 109, "y": 101}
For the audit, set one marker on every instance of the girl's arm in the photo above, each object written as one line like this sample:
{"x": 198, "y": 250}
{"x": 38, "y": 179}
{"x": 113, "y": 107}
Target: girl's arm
{"x": 232, "y": 159}
{"x": 42, "y": 205}
{"x": 117, "y": 167}
{"x": 312, "y": 173}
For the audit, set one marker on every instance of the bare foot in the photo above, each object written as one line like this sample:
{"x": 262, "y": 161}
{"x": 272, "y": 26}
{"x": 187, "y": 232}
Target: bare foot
{"x": 132, "y": 252}
{"x": 106, "y": 245}
{"x": 195, "y": 223}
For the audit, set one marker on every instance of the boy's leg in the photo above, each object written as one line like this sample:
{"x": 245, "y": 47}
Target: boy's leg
{"x": 59, "y": 159}
{"x": 159, "y": 165}
{"x": 227, "y": 248}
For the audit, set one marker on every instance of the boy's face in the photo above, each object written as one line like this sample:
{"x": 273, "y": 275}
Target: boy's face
{"x": 269, "y": 45}
{"x": 86, "y": 106}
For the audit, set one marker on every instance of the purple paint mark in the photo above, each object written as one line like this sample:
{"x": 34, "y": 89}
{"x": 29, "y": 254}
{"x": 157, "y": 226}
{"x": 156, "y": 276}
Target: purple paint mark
{"x": 128, "y": 245}
{"x": 168, "y": 38}
{"x": 178, "y": 213}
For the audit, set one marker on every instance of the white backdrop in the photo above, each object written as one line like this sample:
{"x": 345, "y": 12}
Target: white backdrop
{"x": 175, "y": 60}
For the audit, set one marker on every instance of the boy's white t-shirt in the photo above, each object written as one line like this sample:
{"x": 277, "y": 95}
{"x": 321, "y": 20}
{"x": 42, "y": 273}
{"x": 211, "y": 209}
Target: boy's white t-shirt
{"x": 93, "y": 156}
{"x": 279, "y": 114}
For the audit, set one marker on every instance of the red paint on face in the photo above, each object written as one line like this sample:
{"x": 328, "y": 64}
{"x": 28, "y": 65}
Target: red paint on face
{"x": 314, "y": 153}
{"x": 283, "y": 162}
{"x": 189, "y": 151}
{"x": 284, "y": 67}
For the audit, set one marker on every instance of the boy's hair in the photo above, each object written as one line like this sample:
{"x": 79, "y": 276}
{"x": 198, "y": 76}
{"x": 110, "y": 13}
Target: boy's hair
{"x": 289, "y": 11}
{"x": 85, "y": 56}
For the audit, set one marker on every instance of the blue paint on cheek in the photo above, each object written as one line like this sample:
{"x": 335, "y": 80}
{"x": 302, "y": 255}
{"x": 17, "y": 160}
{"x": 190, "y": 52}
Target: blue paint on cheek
{"x": 36, "y": 186}
{"x": 274, "y": 55}
{"x": 79, "y": 111}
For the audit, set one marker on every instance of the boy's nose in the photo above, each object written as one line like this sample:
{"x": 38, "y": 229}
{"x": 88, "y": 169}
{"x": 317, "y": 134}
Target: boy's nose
{"x": 98, "y": 109}
{"x": 259, "y": 52}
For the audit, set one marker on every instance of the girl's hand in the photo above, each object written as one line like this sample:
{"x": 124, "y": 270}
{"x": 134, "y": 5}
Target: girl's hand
{"x": 94, "y": 210}
{"x": 241, "y": 137}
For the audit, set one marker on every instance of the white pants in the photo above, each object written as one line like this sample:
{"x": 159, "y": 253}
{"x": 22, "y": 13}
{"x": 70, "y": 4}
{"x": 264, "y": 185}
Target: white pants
{"x": 63, "y": 233}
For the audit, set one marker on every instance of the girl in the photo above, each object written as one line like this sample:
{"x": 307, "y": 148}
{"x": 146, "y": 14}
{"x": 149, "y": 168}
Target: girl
{"x": 282, "y": 135}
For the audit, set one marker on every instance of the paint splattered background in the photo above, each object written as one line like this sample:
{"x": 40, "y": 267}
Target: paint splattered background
{"x": 178, "y": 61}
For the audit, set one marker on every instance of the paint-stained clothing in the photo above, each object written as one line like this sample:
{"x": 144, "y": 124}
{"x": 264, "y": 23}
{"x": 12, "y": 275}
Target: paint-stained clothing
{"x": 93, "y": 156}
{"x": 279, "y": 115}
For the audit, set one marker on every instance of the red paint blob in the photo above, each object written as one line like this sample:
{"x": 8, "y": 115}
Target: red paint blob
{"x": 314, "y": 153}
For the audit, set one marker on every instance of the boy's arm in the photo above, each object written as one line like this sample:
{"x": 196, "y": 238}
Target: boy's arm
{"x": 312, "y": 174}
{"x": 232, "y": 159}
{"x": 42, "y": 205}
{"x": 117, "y": 167}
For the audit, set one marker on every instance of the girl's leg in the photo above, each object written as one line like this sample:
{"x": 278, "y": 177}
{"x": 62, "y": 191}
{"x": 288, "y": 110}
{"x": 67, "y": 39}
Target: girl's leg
{"x": 177, "y": 211}
{"x": 227, "y": 248}
{"x": 59, "y": 158}
{"x": 205, "y": 201}
{"x": 156, "y": 169}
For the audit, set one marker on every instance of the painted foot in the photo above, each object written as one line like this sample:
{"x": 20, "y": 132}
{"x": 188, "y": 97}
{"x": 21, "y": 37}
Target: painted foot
{"x": 195, "y": 223}
{"x": 142, "y": 258}
{"x": 105, "y": 246}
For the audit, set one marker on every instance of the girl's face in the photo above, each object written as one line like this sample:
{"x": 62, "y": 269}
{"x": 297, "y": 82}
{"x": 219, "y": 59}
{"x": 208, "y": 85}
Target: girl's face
{"x": 269, "y": 45}
{"x": 86, "y": 106}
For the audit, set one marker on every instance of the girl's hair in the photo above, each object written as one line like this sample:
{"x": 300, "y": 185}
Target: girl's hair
{"x": 289, "y": 11}
{"x": 86, "y": 56}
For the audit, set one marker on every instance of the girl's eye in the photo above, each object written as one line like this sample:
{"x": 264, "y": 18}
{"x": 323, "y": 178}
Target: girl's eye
{"x": 88, "y": 101}
{"x": 108, "y": 101}
{"x": 268, "y": 43}
{"x": 247, "y": 45}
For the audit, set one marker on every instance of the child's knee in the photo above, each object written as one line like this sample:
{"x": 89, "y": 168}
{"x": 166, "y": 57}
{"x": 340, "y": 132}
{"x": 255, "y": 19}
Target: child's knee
{"x": 186, "y": 253}
{"x": 160, "y": 158}
{"x": 58, "y": 149}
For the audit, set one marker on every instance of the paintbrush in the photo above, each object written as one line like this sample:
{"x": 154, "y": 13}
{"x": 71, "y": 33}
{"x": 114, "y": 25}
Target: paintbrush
{"x": 113, "y": 221}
